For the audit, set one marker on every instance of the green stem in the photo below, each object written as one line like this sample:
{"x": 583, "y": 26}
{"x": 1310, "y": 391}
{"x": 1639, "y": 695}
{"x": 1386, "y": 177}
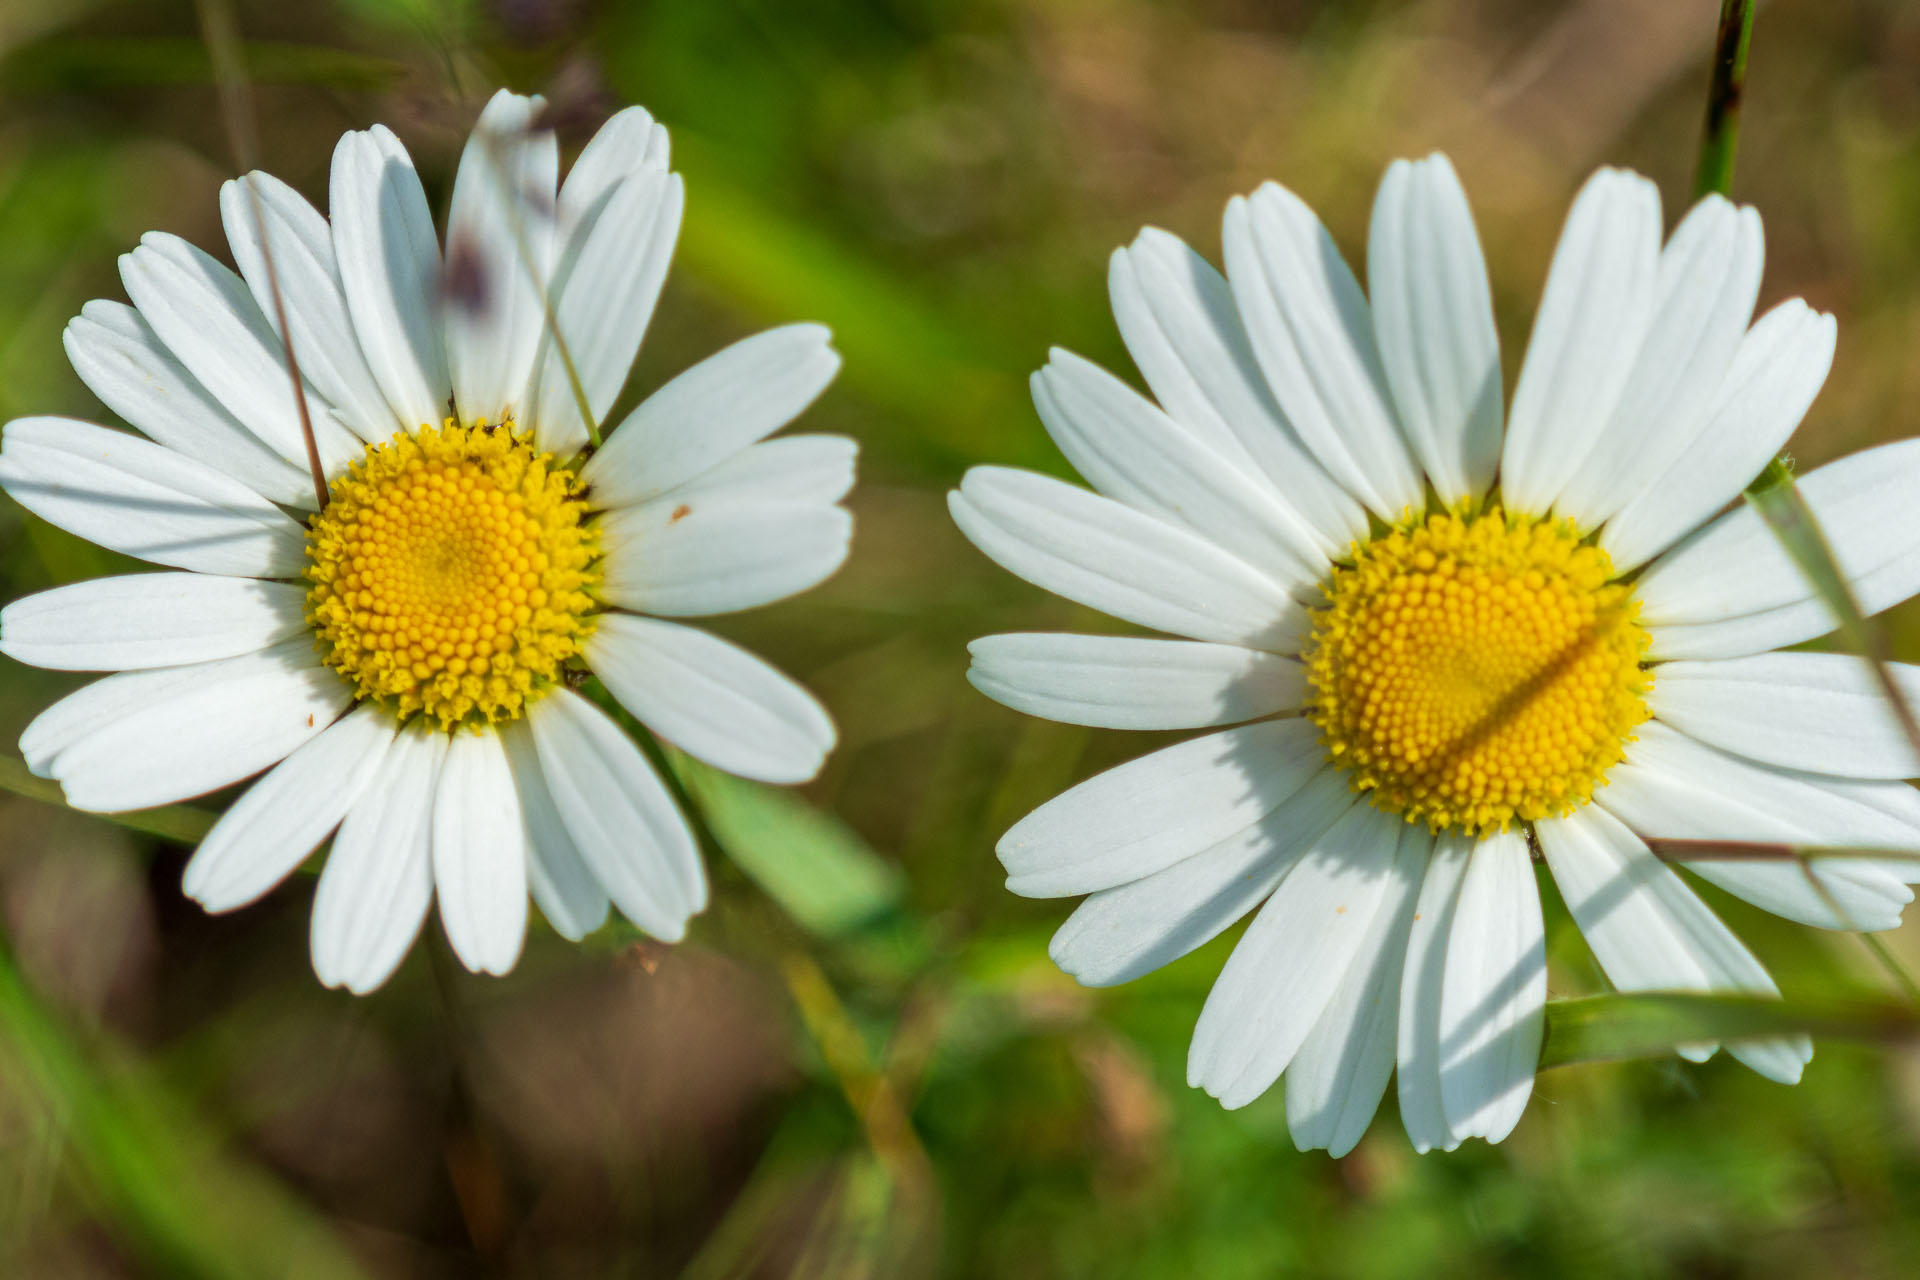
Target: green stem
{"x": 179, "y": 822}
{"x": 1722, "y": 138}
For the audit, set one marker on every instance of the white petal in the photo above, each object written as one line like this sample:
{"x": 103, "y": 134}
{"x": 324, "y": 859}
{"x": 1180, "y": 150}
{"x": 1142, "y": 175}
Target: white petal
{"x": 480, "y": 853}
{"x": 1433, "y": 318}
{"x": 501, "y": 233}
{"x": 1672, "y": 787}
{"x": 1709, "y": 278}
{"x": 711, "y": 698}
{"x": 1133, "y": 453}
{"x": 1292, "y": 958}
{"x": 711, "y": 412}
{"x": 1593, "y": 317}
{"x": 607, "y": 281}
{"x": 184, "y": 738}
{"x": 1337, "y": 1079}
{"x": 1149, "y": 813}
{"x": 122, "y": 360}
{"x": 378, "y": 882}
{"x": 1118, "y": 934}
{"x": 813, "y": 470}
{"x": 567, "y": 893}
{"x": 1649, "y": 931}
{"x": 1494, "y": 993}
{"x": 1731, "y": 589}
{"x": 389, "y": 261}
{"x": 693, "y": 558}
{"x": 1313, "y": 336}
{"x": 1177, "y": 316}
{"x": 1110, "y": 557}
{"x": 1821, "y": 712}
{"x": 208, "y": 320}
{"x": 303, "y": 266}
{"x": 280, "y": 819}
{"x": 628, "y": 143}
{"x": 623, "y": 822}
{"x": 1127, "y": 682}
{"x": 1421, "y": 990}
{"x": 136, "y": 497}
{"x": 149, "y": 620}
{"x": 95, "y": 706}
{"x": 1781, "y": 365}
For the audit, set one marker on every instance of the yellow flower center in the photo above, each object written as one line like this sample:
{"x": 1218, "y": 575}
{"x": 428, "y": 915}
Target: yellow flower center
{"x": 450, "y": 573}
{"x": 1471, "y": 672}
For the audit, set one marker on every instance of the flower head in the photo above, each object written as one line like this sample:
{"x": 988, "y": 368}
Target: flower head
{"x": 403, "y": 659}
{"x": 1448, "y": 635}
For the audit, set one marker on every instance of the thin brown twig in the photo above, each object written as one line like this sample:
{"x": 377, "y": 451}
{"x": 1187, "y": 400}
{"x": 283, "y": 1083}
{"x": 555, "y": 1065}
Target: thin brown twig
{"x": 222, "y": 39}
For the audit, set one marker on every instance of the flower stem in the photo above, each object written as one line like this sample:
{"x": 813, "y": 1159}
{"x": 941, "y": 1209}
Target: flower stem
{"x": 1722, "y": 138}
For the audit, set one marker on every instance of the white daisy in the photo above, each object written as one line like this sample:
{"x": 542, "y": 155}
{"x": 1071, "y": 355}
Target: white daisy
{"x": 1444, "y": 640}
{"x": 403, "y": 659}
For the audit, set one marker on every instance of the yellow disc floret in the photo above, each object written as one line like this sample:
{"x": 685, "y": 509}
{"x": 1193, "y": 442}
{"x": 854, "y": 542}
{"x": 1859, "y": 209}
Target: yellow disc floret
{"x": 450, "y": 573}
{"x": 1473, "y": 672}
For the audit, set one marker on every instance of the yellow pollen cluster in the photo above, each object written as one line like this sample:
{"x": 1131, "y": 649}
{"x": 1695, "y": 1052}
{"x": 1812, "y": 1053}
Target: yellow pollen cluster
{"x": 1474, "y": 672}
{"x": 450, "y": 573}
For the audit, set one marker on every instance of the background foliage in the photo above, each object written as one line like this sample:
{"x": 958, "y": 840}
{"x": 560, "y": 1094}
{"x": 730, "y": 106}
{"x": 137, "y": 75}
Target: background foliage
{"x": 862, "y": 1064}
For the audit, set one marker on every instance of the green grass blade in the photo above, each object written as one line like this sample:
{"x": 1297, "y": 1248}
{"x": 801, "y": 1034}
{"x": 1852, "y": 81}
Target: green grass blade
{"x": 179, "y": 822}
{"x": 1611, "y": 1027}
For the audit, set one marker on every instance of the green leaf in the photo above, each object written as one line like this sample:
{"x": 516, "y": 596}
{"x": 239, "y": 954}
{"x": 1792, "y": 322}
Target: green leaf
{"x": 1610, "y": 1027}
{"x": 810, "y": 862}
{"x": 156, "y": 1169}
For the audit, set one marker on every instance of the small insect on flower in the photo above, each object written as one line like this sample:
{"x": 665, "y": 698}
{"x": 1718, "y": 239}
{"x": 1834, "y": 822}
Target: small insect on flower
{"x": 403, "y": 659}
{"x": 1449, "y": 636}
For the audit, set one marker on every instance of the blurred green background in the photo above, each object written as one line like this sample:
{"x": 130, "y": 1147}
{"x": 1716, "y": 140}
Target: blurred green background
{"x": 862, "y": 1063}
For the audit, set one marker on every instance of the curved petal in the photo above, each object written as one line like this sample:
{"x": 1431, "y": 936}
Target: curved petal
{"x": 627, "y": 828}
{"x": 284, "y": 816}
{"x": 811, "y": 470}
{"x": 700, "y": 557}
{"x": 608, "y": 278}
{"x": 501, "y": 244}
{"x": 567, "y": 893}
{"x": 145, "y": 500}
{"x": 1649, "y": 931}
{"x": 122, "y": 360}
{"x": 712, "y": 412}
{"x": 1129, "y": 682}
{"x": 1494, "y": 993}
{"x": 1593, "y": 317}
{"x": 711, "y": 698}
{"x": 260, "y": 212}
{"x": 1731, "y": 589}
{"x": 149, "y": 620}
{"x": 208, "y": 320}
{"x": 1422, "y": 986}
{"x": 1149, "y": 813}
{"x": 224, "y": 721}
{"x": 1672, "y": 787}
{"x": 1133, "y": 453}
{"x": 1293, "y": 958}
{"x": 1110, "y": 557}
{"x": 1311, "y": 331}
{"x": 1336, "y": 1081}
{"x": 389, "y": 260}
{"x": 378, "y": 882}
{"x": 629, "y": 143}
{"x": 1819, "y": 712}
{"x": 1433, "y": 318}
{"x": 1177, "y": 316}
{"x": 1118, "y": 934}
{"x": 1781, "y": 365}
{"x": 480, "y": 853}
{"x": 1709, "y": 279}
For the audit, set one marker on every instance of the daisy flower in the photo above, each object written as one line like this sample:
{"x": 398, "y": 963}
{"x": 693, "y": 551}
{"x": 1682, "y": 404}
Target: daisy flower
{"x": 403, "y": 661}
{"x": 1449, "y": 638}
